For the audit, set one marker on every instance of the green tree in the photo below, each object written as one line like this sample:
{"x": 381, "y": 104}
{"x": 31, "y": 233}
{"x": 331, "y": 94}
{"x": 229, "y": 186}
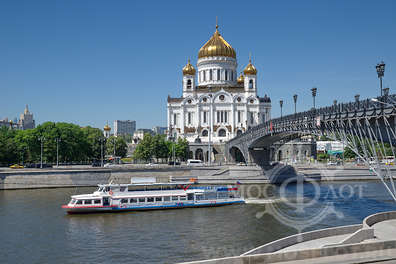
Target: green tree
{"x": 160, "y": 148}
{"x": 8, "y": 148}
{"x": 93, "y": 137}
{"x": 182, "y": 149}
{"x": 120, "y": 146}
{"x": 145, "y": 149}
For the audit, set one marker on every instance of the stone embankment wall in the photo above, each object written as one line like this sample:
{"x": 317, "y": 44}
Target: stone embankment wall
{"x": 48, "y": 178}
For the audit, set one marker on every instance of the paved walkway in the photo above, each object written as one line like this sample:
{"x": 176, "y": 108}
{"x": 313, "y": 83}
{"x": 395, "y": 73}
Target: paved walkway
{"x": 385, "y": 230}
{"x": 387, "y": 256}
{"x": 316, "y": 243}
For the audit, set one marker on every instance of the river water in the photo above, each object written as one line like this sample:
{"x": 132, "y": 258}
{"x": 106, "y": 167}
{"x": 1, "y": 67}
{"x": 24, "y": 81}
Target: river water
{"x": 34, "y": 229}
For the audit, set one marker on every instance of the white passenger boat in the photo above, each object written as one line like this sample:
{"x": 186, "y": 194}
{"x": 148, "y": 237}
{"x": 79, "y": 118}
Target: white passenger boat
{"x": 150, "y": 196}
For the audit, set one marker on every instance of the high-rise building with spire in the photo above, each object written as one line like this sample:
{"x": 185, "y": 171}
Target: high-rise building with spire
{"x": 26, "y": 120}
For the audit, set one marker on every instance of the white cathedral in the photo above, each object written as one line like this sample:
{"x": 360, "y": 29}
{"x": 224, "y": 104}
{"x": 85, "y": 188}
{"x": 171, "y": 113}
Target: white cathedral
{"x": 218, "y": 105}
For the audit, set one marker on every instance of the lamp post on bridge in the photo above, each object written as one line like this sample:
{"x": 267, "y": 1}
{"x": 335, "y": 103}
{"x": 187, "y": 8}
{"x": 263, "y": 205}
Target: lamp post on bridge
{"x": 295, "y": 104}
{"x": 357, "y": 97}
{"x": 380, "y": 67}
{"x": 314, "y": 90}
{"x": 281, "y": 105}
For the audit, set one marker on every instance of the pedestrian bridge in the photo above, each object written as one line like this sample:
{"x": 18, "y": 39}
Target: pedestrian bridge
{"x": 365, "y": 126}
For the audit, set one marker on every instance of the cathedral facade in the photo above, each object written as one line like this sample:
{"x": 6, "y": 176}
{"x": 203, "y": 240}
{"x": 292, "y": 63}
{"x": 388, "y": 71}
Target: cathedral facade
{"x": 216, "y": 104}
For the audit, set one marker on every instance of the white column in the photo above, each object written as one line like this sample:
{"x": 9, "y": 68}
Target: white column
{"x": 232, "y": 119}
{"x": 181, "y": 123}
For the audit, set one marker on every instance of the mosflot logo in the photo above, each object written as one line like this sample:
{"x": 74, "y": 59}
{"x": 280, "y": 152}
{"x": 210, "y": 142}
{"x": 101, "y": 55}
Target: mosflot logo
{"x": 304, "y": 203}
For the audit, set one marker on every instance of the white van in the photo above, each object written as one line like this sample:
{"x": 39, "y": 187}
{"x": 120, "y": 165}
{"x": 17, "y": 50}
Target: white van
{"x": 192, "y": 162}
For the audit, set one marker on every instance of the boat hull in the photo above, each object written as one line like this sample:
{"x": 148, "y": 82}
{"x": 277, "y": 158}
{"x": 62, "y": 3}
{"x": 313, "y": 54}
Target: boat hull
{"x": 115, "y": 209}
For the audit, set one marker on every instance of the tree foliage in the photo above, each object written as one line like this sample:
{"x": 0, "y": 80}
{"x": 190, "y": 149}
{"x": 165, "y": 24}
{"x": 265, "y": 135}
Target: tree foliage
{"x": 75, "y": 144}
{"x": 158, "y": 147}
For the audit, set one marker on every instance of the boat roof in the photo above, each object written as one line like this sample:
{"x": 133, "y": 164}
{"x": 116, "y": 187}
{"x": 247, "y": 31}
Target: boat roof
{"x": 137, "y": 194}
{"x": 148, "y": 184}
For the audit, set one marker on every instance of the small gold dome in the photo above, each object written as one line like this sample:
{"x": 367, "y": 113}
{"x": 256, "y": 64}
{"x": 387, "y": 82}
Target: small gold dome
{"x": 188, "y": 69}
{"x": 250, "y": 69}
{"x": 241, "y": 79}
{"x": 107, "y": 128}
{"x": 216, "y": 46}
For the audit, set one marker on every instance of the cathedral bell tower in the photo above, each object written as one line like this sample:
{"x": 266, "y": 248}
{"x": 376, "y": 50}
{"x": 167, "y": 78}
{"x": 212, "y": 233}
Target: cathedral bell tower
{"x": 250, "y": 79}
{"x": 188, "y": 79}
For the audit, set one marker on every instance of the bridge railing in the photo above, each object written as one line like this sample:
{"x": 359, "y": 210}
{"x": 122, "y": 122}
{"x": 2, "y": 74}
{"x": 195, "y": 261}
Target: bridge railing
{"x": 309, "y": 115}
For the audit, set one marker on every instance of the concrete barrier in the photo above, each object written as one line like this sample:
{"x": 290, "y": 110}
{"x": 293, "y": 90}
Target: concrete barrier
{"x": 379, "y": 217}
{"x": 302, "y": 237}
{"x": 357, "y": 237}
{"x": 354, "y": 249}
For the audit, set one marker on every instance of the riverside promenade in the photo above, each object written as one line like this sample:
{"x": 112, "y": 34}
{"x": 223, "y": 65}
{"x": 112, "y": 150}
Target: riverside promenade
{"x": 226, "y": 174}
{"x": 373, "y": 241}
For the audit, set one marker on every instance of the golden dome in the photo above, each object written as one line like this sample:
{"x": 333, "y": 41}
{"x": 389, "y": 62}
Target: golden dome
{"x": 250, "y": 69}
{"x": 241, "y": 79}
{"x": 107, "y": 128}
{"x": 188, "y": 69}
{"x": 216, "y": 46}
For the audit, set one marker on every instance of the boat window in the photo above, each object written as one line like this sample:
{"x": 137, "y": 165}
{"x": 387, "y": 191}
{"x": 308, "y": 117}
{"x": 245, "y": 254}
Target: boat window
{"x": 122, "y": 189}
{"x": 175, "y": 198}
{"x": 87, "y": 201}
{"x": 124, "y": 200}
{"x": 183, "y": 198}
{"x": 79, "y": 201}
{"x": 133, "y": 200}
{"x": 210, "y": 196}
{"x": 115, "y": 188}
{"x": 158, "y": 199}
{"x": 142, "y": 200}
{"x": 73, "y": 201}
{"x": 150, "y": 199}
{"x": 222, "y": 195}
{"x": 190, "y": 196}
{"x": 132, "y": 188}
{"x": 166, "y": 198}
{"x": 97, "y": 201}
{"x": 100, "y": 189}
{"x": 199, "y": 197}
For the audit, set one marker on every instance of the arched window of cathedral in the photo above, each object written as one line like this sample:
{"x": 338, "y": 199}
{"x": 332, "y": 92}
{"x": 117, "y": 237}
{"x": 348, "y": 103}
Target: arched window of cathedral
{"x": 210, "y": 74}
{"x": 239, "y": 132}
{"x": 218, "y": 74}
{"x": 225, "y": 75}
{"x": 232, "y": 75}
{"x": 205, "y": 99}
{"x": 204, "y": 76}
{"x": 205, "y": 133}
{"x": 188, "y": 84}
{"x": 250, "y": 84}
{"x": 222, "y": 133}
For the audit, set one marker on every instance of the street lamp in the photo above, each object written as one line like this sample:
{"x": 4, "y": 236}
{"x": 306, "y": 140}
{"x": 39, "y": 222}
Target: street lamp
{"x": 380, "y": 67}
{"x": 314, "y": 90}
{"x": 41, "y": 139}
{"x": 102, "y": 141}
{"x": 295, "y": 103}
{"x": 281, "y": 105}
{"x": 210, "y": 126}
{"x": 57, "y": 150}
{"x": 357, "y": 100}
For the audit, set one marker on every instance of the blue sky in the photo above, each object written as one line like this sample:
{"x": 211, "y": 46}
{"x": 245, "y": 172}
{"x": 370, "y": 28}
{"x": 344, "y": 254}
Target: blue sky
{"x": 87, "y": 62}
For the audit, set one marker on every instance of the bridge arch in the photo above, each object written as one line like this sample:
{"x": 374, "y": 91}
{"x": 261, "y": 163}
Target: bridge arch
{"x": 237, "y": 155}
